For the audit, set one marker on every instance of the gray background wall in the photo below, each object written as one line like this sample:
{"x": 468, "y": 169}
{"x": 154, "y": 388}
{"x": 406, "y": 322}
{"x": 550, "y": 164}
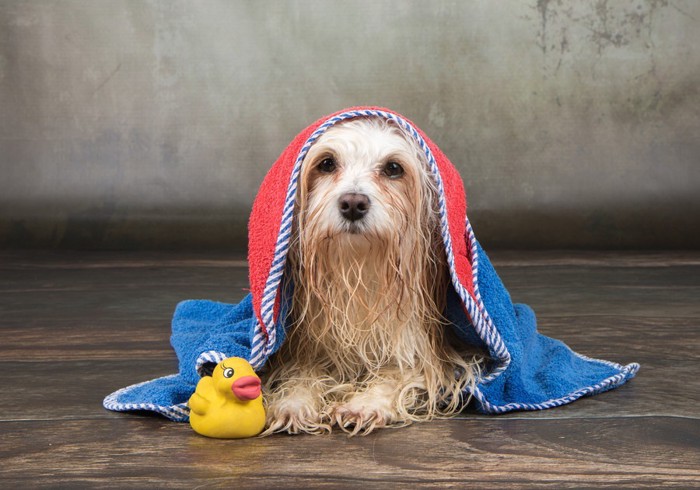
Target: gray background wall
{"x": 127, "y": 124}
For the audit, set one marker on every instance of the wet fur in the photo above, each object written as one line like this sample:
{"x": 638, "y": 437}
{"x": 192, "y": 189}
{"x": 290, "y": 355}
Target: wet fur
{"x": 367, "y": 345}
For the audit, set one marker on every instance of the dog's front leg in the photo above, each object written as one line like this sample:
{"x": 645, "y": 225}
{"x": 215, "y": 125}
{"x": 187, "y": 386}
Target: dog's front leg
{"x": 385, "y": 400}
{"x": 296, "y": 404}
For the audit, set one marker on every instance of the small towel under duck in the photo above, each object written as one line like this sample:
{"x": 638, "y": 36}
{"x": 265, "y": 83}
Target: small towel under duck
{"x": 527, "y": 370}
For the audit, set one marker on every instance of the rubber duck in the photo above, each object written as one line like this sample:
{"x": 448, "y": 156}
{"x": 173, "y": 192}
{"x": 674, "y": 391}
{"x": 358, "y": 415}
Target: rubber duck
{"x": 228, "y": 404}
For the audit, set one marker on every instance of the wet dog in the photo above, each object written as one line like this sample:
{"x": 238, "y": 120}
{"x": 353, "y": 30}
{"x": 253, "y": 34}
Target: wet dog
{"x": 367, "y": 344}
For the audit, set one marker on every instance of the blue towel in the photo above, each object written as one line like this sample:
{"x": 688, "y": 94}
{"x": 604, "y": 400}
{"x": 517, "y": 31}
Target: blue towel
{"x": 525, "y": 371}
{"x": 542, "y": 372}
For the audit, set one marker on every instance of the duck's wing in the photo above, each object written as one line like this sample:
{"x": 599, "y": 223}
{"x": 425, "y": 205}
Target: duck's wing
{"x": 201, "y": 398}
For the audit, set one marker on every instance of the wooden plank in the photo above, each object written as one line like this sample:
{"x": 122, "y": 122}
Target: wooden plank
{"x": 594, "y": 258}
{"x": 623, "y": 339}
{"x": 132, "y": 294}
{"x": 628, "y": 292}
{"x": 613, "y": 453}
{"x": 31, "y": 259}
{"x": 113, "y": 336}
{"x": 55, "y": 390}
{"x": 111, "y": 313}
{"x": 648, "y": 340}
{"x": 50, "y": 388}
{"x": 97, "y": 287}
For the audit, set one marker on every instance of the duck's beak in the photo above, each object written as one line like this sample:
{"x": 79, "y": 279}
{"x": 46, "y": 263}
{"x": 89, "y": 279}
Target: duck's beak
{"x": 246, "y": 388}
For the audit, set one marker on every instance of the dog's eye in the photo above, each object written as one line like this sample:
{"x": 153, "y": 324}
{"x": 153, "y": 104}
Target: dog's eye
{"x": 327, "y": 165}
{"x": 393, "y": 170}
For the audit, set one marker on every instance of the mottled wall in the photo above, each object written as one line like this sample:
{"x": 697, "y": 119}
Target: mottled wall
{"x": 574, "y": 123}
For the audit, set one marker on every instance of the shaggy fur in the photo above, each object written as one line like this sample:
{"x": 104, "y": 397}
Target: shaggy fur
{"x": 367, "y": 345}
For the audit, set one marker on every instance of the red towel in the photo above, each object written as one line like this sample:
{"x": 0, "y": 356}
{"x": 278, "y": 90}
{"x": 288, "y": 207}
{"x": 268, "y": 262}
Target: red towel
{"x": 269, "y": 205}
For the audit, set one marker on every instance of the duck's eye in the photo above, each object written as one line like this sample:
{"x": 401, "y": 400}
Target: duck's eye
{"x": 392, "y": 169}
{"x": 228, "y": 372}
{"x": 327, "y": 165}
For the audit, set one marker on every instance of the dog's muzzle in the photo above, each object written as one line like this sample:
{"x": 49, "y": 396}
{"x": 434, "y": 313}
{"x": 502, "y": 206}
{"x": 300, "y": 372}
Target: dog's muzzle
{"x": 353, "y": 207}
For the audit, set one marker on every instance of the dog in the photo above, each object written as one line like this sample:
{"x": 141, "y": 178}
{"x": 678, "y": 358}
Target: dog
{"x": 367, "y": 344}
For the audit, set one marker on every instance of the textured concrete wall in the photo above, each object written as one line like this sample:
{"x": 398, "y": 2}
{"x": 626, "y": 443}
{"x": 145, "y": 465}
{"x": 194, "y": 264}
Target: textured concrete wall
{"x": 574, "y": 123}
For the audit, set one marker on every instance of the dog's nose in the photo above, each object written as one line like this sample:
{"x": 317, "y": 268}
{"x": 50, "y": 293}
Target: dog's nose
{"x": 353, "y": 206}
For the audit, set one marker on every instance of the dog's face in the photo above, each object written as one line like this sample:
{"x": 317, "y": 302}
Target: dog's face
{"x": 364, "y": 257}
{"x": 362, "y": 180}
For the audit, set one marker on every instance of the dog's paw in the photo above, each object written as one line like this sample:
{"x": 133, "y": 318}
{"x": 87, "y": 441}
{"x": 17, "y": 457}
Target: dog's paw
{"x": 295, "y": 416}
{"x": 363, "y": 414}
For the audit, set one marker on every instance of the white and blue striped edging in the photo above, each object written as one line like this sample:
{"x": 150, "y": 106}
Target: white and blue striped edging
{"x": 178, "y": 413}
{"x": 208, "y": 357}
{"x": 262, "y": 344}
{"x": 604, "y": 385}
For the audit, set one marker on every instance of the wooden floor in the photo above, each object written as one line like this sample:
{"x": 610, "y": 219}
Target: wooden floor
{"x": 76, "y": 326}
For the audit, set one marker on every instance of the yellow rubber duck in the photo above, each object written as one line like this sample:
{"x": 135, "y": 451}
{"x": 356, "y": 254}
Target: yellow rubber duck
{"x": 228, "y": 404}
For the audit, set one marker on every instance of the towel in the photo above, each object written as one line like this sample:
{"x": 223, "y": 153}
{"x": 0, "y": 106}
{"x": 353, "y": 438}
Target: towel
{"x": 526, "y": 370}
